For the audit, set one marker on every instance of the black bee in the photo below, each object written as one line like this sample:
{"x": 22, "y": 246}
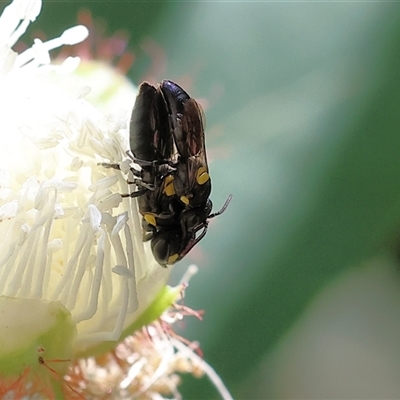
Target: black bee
{"x": 173, "y": 185}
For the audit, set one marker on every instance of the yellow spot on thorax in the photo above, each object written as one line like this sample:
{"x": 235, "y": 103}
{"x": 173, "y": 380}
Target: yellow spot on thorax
{"x": 150, "y": 218}
{"x": 173, "y": 258}
{"x": 169, "y": 188}
{"x": 185, "y": 200}
{"x": 202, "y": 176}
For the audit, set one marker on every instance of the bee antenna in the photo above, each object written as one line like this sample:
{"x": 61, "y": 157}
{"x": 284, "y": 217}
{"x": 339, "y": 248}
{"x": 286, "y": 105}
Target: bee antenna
{"x": 223, "y": 208}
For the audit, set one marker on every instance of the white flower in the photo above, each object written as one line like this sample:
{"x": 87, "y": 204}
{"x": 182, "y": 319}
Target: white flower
{"x": 76, "y": 279}
{"x": 74, "y": 272}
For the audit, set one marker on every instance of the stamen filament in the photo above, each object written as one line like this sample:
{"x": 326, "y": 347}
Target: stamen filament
{"x": 96, "y": 282}
{"x": 10, "y": 25}
{"x": 71, "y": 36}
{"x": 209, "y": 371}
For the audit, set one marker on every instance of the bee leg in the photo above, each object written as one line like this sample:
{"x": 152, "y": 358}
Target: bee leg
{"x": 136, "y": 193}
{"x": 147, "y": 231}
{"x": 143, "y": 185}
{"x": 111, "y": 165}
{"x": 154, "y": 163}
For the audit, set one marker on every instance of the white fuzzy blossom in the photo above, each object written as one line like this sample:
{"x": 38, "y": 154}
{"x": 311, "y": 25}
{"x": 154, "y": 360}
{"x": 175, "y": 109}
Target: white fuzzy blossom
{"x": 76, "y": 278}
{"x": 67, "y": 236}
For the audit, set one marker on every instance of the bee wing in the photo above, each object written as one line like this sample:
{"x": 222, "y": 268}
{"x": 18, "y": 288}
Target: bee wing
{"x": 186, "y": 121}
{"x": 189, "y": 136}
{"x": 150, "y": 137}
{"x": 143, "y": 123}
{"x": 191, "y": 181}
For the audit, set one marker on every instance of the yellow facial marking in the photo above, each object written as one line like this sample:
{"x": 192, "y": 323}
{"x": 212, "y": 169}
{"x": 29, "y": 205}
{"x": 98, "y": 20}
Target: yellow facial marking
{"x": 172, "y": 259}
{"x": 169, "y": 188}
{"x": 202, "y": 176}
{"x": 150, "y": 219}
{"x": 185, "y": 200}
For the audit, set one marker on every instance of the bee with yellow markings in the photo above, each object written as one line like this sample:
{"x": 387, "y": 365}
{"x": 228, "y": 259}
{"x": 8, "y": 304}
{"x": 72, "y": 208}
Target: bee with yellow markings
{"x": 173, "y": 185}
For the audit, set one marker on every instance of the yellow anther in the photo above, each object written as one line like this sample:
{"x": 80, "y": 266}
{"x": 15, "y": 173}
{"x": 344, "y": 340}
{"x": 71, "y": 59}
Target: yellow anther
{"x": 150, "y": 219}
{"x": 202, "y": 176}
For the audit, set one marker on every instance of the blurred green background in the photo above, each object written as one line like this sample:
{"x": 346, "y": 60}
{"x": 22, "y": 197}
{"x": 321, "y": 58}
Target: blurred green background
{"x": 299, "y": 278}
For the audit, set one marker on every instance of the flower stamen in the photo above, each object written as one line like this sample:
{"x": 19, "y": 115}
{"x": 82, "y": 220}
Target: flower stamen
{"x": 38, "y": 54}
{"x": 19, "y": 10}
